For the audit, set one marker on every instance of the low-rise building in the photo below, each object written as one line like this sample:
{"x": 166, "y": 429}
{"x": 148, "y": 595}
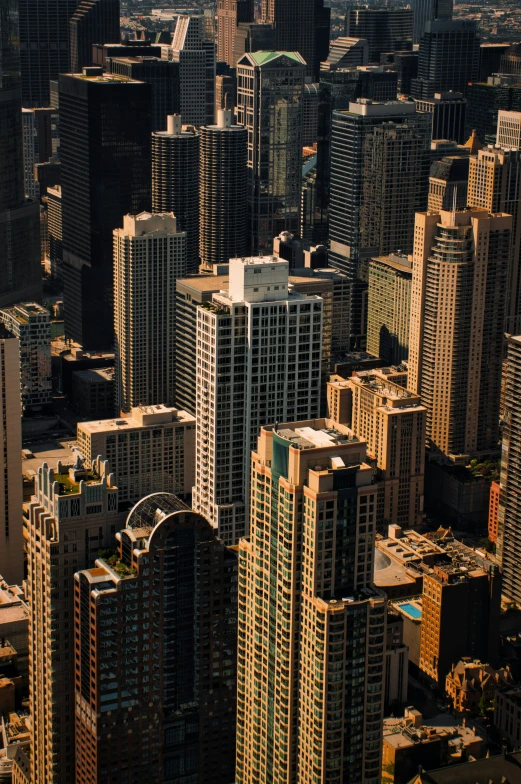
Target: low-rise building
{"x": 507, "y": 714}
{"x": 493, "y": 770}
{"x": 150, "y": 450}
{"x": 14, "y": 625}
{"x": 93, "y": 392}
{"x": 469, "y": 682}
{"x": 408, "y": 744}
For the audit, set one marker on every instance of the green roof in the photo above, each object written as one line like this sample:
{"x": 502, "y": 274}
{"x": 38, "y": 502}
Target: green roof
{"x": 261, "y": 58}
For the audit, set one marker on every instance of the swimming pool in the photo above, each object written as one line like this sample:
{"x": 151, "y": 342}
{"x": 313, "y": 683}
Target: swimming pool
{"x": 411, "y": 610}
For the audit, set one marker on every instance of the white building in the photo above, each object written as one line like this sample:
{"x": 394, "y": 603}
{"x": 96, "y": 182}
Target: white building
{"x": 258, "y": 360}
{"x": 509, "y": 130}
{"x": 151, "y": 450}
{"x": 11, "y": 528}
{"x": 31, "y": 324}
{"x": 196, "y": 57}
{"x": 149, "y": 256}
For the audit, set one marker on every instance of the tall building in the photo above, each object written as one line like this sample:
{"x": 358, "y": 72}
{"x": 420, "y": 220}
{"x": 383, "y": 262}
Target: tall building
{"x": 11, "y": 523}
{"x": 163, "y": 78}
{"x": 223, "y": 191}
{"x": 105, "y": 165}
{"x": 20, "y": 276}
{"x": 31, "y": 324}
{"x": 389, "y": 307}
{"x": 460, "y": 266}
{"x": 93, "y": 22}
{"x": 300, "y": 26}
{"x": 251, "y": 368}
{"x": 40, "y": 142}
{"x": 310, "y": 662}
{"x": 176, "y": 723}
{"x": 44, "y": 46}
{"x": 54, "y": 231}
{"x": 346, "y": 52}
{"x": 485, "y": 99}
{"x": 424, "y": 11}
{"x": 196, "y": 58}
{"x": 231, "y": 13}
{"x": 175, "y": 181}
{"x": 379, "y": 170}
{"x": 149, "y": 256}
{"x": 495, "y": 185}
{"x": 73, "y": 513}
{"x": 385, "y": 29}
{"x": 151, "y": 450}
{"x": 391, "y": 420}
{"x": 448, "y": 115}
{"x": 448, "y": 58}
{"x": 269, "y": 105}
{"x": 460, "y": 612}
{"x": 509, "y": 129}
{"x": 449, "y": 179}
{"x": 509, "y": 512}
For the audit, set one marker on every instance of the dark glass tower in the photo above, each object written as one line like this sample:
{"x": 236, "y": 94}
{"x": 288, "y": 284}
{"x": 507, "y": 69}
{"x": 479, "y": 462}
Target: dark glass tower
{"x": 161, "y": 75}
{"x": 300, "y": 26}
{"x": 93, "y": 22}
{"x": 175, "y": 181}
{"x": 44, "y": 46}
{"x": 448, "y": 58}
{"x": 424, "y": 11}
{"x": 106, "y": 173}
{"x": 385, "y": 29}
{"x": 20, "y": 275}
{"x": 156, "y": 628}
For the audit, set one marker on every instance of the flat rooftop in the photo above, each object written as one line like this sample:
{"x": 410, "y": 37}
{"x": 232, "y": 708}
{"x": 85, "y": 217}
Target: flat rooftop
{"x": 95, "y": 375}
{"x": 308, "y": 437}
{"x": 144, "y": 416}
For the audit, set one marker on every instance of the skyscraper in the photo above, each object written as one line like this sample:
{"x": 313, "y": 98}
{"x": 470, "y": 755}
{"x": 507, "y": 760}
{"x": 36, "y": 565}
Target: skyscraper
{"x": 424, "y": 11}
{"x": 44, "y": 46}
{"x": 175, "y": 181}
{"x": 509, "y": 513}
{"x": 93, "y": 22}
{"x": 164, "y": 700}
{"x": 389, "y": 307}
{"x": 269, "y": 105}
{"x": 105, "y": 163}
{"x": 448, "y": 115}
{"x": 196, "y": 58}
{"x": 161, "y": 75}
{"x": 251, "y": 368}
{"x": 73, "y": 513}
{"x": 495, "y": 185}
{"x": 300, "y": 26}
{"x": 379, "y": 171}
{"x": 509, "y": 129}
{"x": 223, "y": 190}
{"x": 385, "y": 29}
{"x": 149, "y": 256}
{"x": 231, "y": 13}
{"x": 310, "y": 660}
{"x": 460, "y": 266}
{"x": 20, "y": 274}
{"x": 485, "y": 99}
{"x": 11, "y": 523}
{"x": 448, "y": 58}
{"x": 449, "y": 178}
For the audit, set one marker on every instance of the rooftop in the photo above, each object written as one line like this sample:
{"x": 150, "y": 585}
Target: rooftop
{"x": 320, "y": 437}
{"x": 95, "y": 375}
{"x": 261, "y": 58}
{"x": 141, "y": 416}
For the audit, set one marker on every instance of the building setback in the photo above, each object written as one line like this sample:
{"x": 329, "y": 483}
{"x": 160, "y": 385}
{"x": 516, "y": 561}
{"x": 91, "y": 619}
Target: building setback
{"x": 165, "y": 604}
{"x": 311, "y": 660}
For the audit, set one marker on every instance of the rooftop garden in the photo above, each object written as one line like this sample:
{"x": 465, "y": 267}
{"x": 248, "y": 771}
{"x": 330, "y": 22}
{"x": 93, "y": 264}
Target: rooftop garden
{"x": 489, "y": 469}
{"x": 111, "y": 558}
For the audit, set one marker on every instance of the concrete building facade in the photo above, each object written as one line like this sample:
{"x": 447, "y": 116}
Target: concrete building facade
{"x": 31, "y": 324}
{"x": 389, "y": 307}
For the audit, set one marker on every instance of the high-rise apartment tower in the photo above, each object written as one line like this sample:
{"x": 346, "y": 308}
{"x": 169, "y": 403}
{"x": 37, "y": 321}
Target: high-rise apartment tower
{"x": 460, "y": 266}
{"x": 223, "y": 190}
{"x": 259, "y": 350}
{"x": 231, "y": 13}
{"x": 175, "y": 181}
{"x": 310, "y": 659}
{"x": 149, "y": 256}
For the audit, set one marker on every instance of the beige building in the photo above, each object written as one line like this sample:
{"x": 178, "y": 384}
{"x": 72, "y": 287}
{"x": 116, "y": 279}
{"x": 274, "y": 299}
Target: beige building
{"x": 73, "y": 513}
{"x": 460, "y": 266}
{"x": 149, "y": 256}
{"x": 11, "y": 499}
{"x": 311, "y": 624}
{"x": 389, "y": 307}
{"x": 509, "y": 129}
{"x": 151, "y": 450}
{"x": 391, "y": 420}
{"x": 495, "y": 185}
